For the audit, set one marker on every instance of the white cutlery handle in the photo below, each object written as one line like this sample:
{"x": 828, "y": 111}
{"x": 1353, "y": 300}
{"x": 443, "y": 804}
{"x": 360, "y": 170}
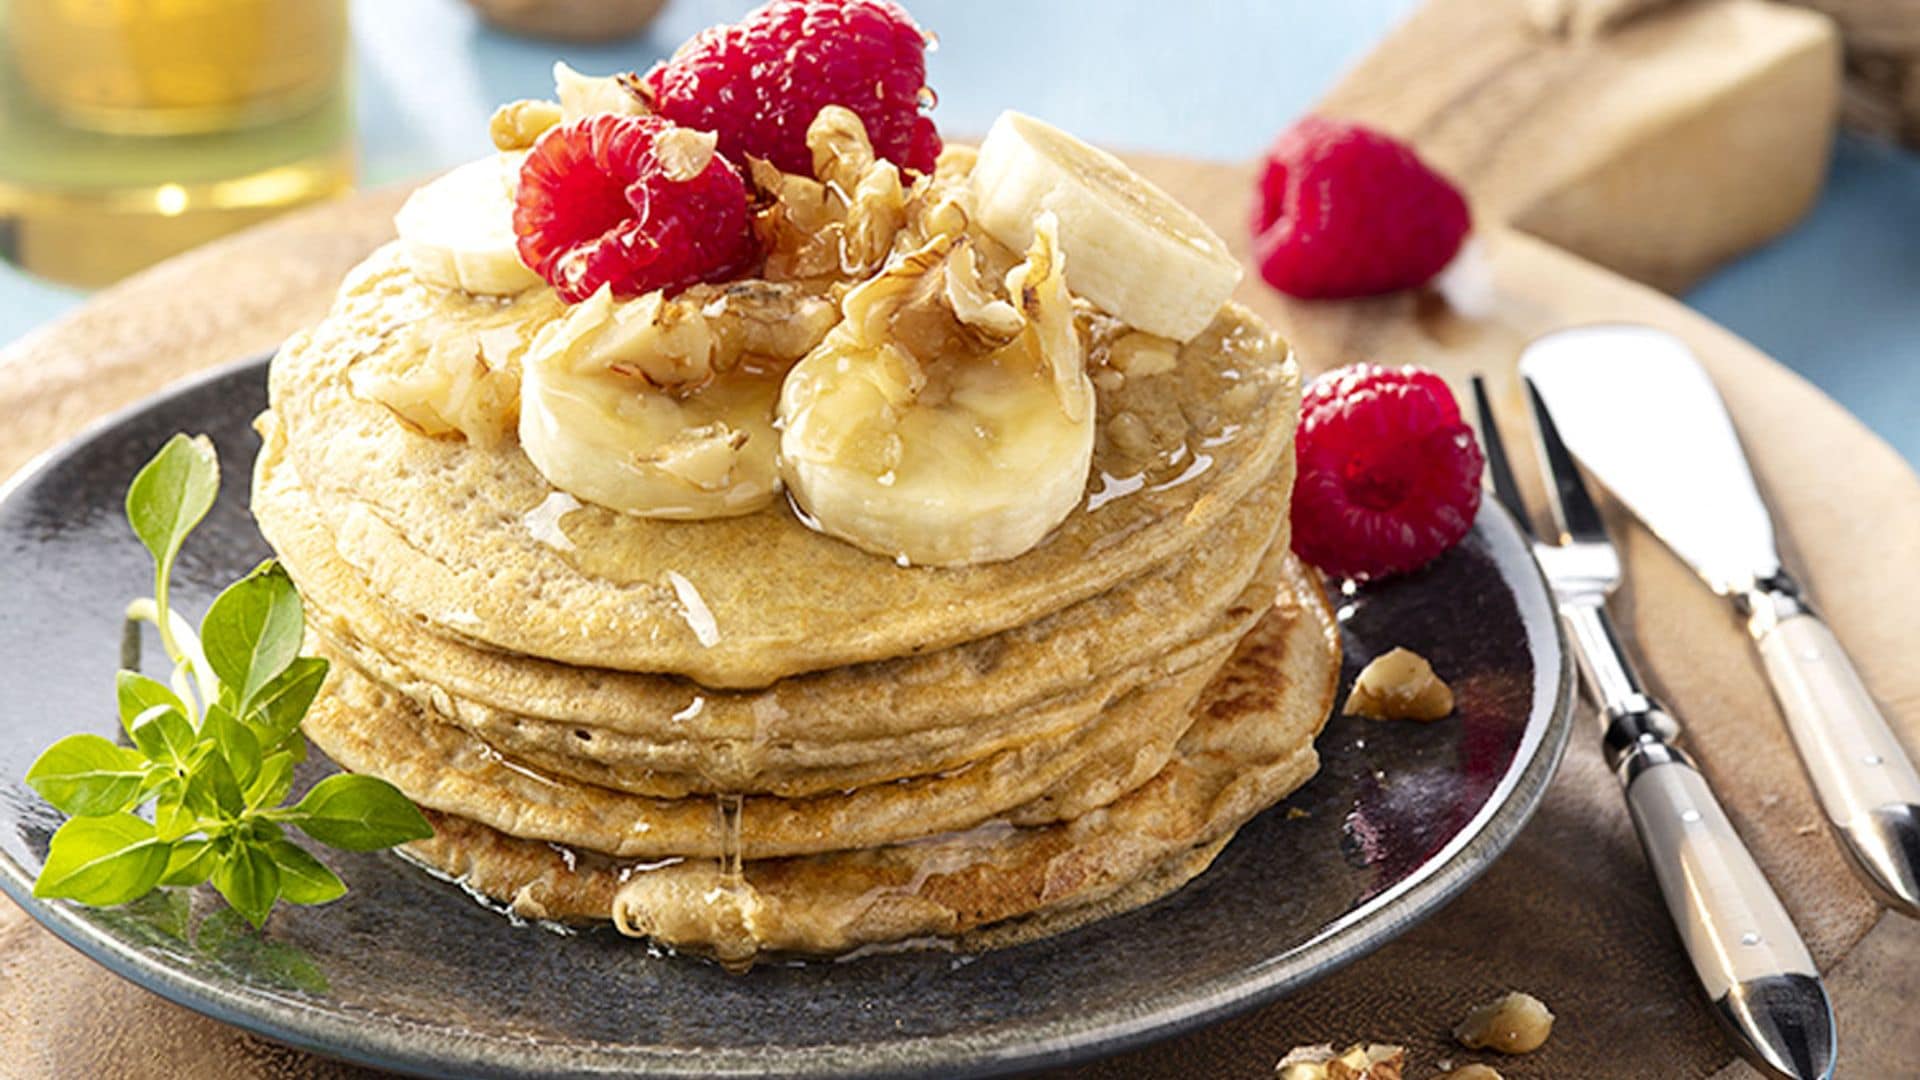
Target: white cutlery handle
{"x": 1734, "y": 927}
{"x": 1865, "y": 781}
{"x": 1756, "y": 971}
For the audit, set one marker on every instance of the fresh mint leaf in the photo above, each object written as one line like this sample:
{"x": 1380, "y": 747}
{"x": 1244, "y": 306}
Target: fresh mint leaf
{"x": 283, "y": 703}
{"x": 272, "y": 783}
{"x": 165, "y": 735}
{"x": 102, "y": 860}
{"x": 249, "y": 878}
{"x": 235, "y": 742}
{"x": 357, "y": 813}
{"x": 303, "y": 878}
{"x": 87, "y": 776}
{"x": 170, "y": 495}
{"x": 253, "y": 632}
{"x": 190, "y": 863}
{"x": 137, "y": 693}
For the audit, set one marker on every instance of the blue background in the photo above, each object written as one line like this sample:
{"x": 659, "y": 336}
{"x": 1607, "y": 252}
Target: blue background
{"x": 1837, "y": 299}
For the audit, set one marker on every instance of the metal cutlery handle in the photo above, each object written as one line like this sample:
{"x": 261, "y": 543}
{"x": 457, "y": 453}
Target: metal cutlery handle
{"x": 1865, "y": 781}
{"x": 1756, "y": 971}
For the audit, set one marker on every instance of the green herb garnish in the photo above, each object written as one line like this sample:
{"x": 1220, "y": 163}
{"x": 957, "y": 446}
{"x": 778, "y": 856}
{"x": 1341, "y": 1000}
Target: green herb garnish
{"x": 213, "y": 747}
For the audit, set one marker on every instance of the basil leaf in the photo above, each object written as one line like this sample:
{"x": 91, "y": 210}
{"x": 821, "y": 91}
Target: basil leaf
{"x": 165, "y": 735}
{"x": 253, "y": 631}
{"x": 357, "y": 813}
{"x": 283, "y": 703}
{"x": 303, "y": 878}
{"x": 173, "y": 817}
{"x": 273, "y": 782}
{"x": 233, "y": 741}
{"x": 171, "y": 494}
{"x": 250, "y": 880}
{"x": 214, "y": 791}
{"x": 191, "y": 863}
{"x": 136, "y": 694}
{"x": 87, "y": 776}
{"x": 102, "y": 860}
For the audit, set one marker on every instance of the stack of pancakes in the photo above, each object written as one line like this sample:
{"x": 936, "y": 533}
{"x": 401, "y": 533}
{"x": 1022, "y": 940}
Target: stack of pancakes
{"x": 739, "y": 735}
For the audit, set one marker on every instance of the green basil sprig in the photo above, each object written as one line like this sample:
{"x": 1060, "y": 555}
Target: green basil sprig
{"x": 200, "y": 795}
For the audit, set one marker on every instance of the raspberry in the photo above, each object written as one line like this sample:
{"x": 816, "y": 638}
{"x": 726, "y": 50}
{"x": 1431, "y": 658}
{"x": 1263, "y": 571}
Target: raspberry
{"x": 1389, "y": 476}
{"x": 598, "y": 206}
{"x": 759, "y": 82}
{"x": 1346, "y": 211}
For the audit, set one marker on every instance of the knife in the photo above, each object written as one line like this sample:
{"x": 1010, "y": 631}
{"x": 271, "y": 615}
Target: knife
{"x": 1613, "y": 387}
{"x": 1745, "y": 951}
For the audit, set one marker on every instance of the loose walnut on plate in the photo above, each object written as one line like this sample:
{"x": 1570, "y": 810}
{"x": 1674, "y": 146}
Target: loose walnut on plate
{"x": 1399, "y": 685}
{"x": 1472, "y": 1072}
{"x": 1361, "y": 1061}
{"x": 1514, "y": 1023}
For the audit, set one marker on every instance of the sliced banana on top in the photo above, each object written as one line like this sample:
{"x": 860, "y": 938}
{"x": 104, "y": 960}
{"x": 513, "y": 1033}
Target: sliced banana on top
{"x": 620, "y": 406}
{"x": 457, "y": 231}
{"x": 939, "y": 426}
{"x": 1136, "y": 252}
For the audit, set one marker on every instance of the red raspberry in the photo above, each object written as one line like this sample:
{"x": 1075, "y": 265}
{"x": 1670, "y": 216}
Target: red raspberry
{"x": 762, "y": 80}
{"x": 1389, "y": 476}
{"x": 596, "y": 206}
{"x": 1346, "y": 211}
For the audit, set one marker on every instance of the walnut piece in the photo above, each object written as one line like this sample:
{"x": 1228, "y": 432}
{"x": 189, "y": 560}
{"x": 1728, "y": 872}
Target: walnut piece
{"x": 585, "y": 95}
{"x": 517, "y": 125}
{"x": 1472, "y": 1072}
{"x": 1514, "y": 1023}
{"x": 684, "y": 153}
{"x": 1361, "y": 1061}
{"x": 1399, "y": 685}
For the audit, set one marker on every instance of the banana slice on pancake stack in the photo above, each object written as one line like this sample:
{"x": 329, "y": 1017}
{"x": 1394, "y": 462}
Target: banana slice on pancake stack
{"x": 915, "y": 434}
{"x": 457, "y": 231}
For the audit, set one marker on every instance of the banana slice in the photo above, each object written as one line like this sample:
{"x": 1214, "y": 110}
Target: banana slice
{"x": 1142, "y": 257}
{"x": 620, "y": 406}
{"x": 458, "y": 230}
{"x": 936, "y": 426}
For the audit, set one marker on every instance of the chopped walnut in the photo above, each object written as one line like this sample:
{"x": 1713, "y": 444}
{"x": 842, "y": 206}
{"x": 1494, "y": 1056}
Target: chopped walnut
{"x": 584, "y": 95}
{"x": 681, "y": 343}
{"x": 1369, "y": 1061}
{"x": 842, "y": 224}
{"x": 517, "y": 125}
{"x": 466, "y": 385}
{"x": 1472, "y": 1072}
{"x": 703, "y": 456}
{"x": 1514, "y": 1023}
{"x": 1399, "y": 685}
{"x": 684, "y": 153}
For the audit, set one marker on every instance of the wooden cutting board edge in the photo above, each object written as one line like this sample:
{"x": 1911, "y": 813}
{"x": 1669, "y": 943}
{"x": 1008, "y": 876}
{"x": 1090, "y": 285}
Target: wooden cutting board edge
{"x": 241, "y": 296}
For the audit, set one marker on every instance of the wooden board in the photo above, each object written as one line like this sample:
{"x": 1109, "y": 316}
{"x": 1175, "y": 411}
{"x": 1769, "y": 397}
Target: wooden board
{"x": 1570, "y": 914}
{"x": 1659, "y": 147}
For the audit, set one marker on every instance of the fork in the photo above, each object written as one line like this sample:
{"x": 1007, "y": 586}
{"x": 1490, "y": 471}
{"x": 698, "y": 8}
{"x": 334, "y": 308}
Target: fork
{"x": 1758, "y": 976}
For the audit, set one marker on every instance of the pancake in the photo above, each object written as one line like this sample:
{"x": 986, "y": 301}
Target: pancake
{"x": 440, "y": 527}
{"x": 366, "y": 728}
{"x": 1249, "y": 745}
{"x": 680, "y": 769}
{"x": 665, "y": 736}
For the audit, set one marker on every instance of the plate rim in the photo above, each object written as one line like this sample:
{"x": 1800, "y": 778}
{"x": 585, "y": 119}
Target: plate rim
{"x": 417, "y": 1049}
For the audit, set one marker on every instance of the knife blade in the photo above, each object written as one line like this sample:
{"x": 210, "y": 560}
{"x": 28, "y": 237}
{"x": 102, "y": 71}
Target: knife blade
{"x": 1611, "y": 385}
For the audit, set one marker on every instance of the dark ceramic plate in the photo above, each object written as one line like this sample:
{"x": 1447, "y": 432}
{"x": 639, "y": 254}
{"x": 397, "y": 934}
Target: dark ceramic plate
{"x": 410, "y": 973}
